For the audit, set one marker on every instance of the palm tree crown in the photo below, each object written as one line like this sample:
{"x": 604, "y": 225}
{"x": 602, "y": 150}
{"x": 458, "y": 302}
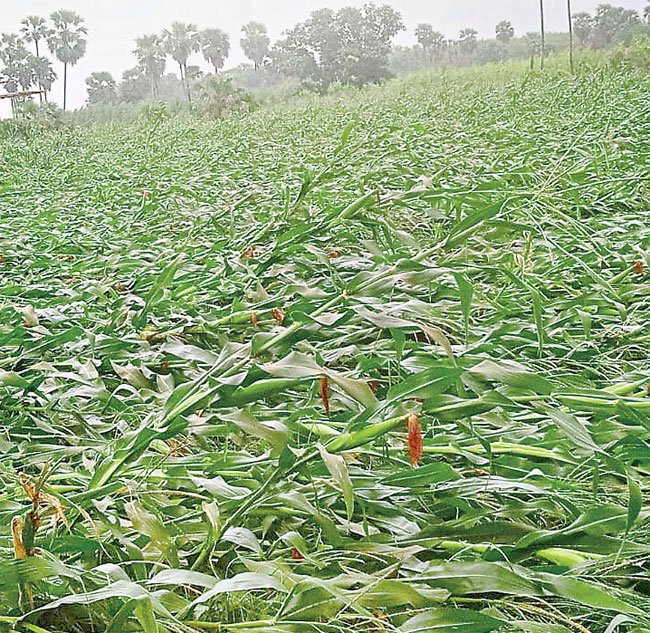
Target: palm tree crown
{"x": 151, "y": 59}
{"x": 180, "y": 41}
{"x": 215, "y": 46}
{"x": 255, "y": 42}
{"x": 35, "y": 28}
{"x": 66, "y": 42}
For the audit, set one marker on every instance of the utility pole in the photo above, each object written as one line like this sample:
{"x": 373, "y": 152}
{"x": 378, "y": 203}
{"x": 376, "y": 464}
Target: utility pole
{"x": 568, "y": 6}
{"x": 543, "y": 29}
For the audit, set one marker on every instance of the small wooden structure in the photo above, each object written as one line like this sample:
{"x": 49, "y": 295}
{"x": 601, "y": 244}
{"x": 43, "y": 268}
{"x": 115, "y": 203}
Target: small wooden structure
{"x": 21, "y": 93}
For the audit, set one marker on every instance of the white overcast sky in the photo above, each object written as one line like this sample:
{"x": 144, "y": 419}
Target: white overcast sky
{"x": 114, "y": 24}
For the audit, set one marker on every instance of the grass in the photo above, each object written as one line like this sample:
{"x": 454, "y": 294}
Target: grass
{"x": 212, "y": 336}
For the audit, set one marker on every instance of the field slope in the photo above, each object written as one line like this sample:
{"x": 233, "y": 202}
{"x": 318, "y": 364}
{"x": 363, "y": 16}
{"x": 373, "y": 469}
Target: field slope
{"x": 220, "y": 342}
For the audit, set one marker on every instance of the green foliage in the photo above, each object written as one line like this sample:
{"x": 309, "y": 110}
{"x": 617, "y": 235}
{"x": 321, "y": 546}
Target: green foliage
{"x": 636, "y": 56}
{"x": 101, "y": 88}
{"x": 613, "y": 25}
{"x": 219, "y": 96}
{"x": 212, "y": 334}
{"x": 350, "y": 46}
{"x": 32, "y": 120}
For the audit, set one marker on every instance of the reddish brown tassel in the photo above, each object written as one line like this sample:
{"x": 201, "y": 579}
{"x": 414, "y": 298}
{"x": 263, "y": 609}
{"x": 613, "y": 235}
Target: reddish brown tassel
{"x": 325, "y": 393}
{"x": 278, "y": 315}
{"x": 416, "y": 447}
{"x": 638, "y": 267}
{"x": 295, "y": 554}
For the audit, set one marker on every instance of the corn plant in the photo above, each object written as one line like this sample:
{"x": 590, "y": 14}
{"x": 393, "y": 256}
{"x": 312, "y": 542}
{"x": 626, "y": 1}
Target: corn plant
{"x": 376, "y": 361}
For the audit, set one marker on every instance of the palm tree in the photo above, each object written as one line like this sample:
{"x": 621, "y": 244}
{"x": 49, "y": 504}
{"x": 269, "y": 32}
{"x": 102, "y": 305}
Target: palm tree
{"x": 66, "y": 42}
{"x": 16, "y": 72}
{"x": 180, "y": 42}
{"x": 35, "y": 28}
{"x": 215, "y": 46}
{"x": 505, "y": 32}
{"x": 467, "y": 42}
{"x": 570, "y": 15}
{"x": 425, "y": 36}
{"x": 542, "y": 32}
{"x": 255, "y": 42}
{"x": 151, "y": 59}
{"x": 44, "y": 74}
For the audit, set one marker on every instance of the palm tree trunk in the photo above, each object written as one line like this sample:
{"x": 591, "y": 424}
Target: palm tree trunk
{"x": 184, "y": 82}
{"x": 40, "y": 94}
{"x": 65, "y": 85}
{"x": 187, "y": 85}
{"x": 568, "y": 6}
{"x": 543, "y": 31}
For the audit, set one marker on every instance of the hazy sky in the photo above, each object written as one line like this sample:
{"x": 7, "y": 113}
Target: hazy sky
{"x": 114, "y": 24}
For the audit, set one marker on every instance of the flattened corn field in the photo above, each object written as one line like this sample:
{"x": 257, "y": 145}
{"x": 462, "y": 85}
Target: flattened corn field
{"x": 220, "y": 342}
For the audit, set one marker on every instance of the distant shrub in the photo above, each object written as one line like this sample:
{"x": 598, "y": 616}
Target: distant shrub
{"x": 635, "y": 56}
{"x": 30, "y": 118}
{"x": 219, "y": 96}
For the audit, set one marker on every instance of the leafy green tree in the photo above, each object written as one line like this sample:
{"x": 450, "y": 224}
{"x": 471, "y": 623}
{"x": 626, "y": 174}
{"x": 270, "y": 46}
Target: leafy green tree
{"x": 583, "y": 26}
{"x": 151, "y": 59}
{"x": 350, "y": 46}
{"x": 613, "y": 25}
{"x": 505, "y": 32}
{"x": 135, "y": 86}
{"x": 215, "y": 46}
{"x": 180, "y": 41}
{"x": 255, "y": 42}
{"x": 101, "y": 88}
{"x": 66, "y": 42}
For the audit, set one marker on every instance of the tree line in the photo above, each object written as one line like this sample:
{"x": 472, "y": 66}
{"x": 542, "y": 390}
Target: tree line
{"x": 64, "y": 35}
{"x": 351, "y": 46}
